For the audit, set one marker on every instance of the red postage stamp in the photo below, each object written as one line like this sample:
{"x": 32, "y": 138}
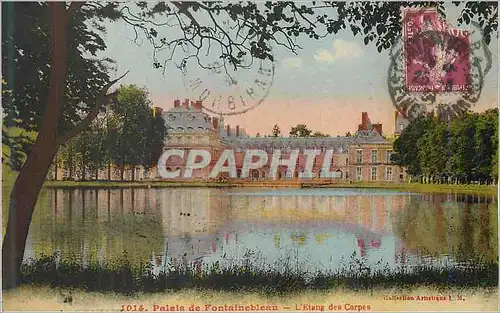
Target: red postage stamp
{"x": 436, "y": 55}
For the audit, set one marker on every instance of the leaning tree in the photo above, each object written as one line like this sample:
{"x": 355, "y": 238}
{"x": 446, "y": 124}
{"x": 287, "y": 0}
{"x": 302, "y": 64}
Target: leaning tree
{"x": 57, "y": 81}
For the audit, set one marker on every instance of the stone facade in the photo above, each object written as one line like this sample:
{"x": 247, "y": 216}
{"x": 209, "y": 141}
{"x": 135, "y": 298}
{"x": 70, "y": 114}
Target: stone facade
{"x": 365, "y": 156}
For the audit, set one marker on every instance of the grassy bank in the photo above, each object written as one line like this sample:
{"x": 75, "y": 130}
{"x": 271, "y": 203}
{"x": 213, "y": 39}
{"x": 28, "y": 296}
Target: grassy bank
{"x": 9, "y": 176}
{"x": 45, "y": 299}
{"x": 410, "y": 187}
{"x": 246, "y": 275}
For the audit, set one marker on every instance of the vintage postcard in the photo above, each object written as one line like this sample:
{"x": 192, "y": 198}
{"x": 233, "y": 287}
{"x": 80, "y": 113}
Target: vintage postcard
{"x": 250, "y": 156}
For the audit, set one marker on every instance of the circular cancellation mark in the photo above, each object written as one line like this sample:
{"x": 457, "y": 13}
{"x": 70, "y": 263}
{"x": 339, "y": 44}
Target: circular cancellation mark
{"x": 225, "y": 91}
{"x": 437, "y": 71}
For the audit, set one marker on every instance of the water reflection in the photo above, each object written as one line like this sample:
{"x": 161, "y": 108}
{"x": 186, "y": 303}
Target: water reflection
{"x": 320, "y": 229}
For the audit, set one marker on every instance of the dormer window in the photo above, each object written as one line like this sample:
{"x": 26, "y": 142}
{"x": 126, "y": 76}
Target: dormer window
{"x": 171, "y": 117}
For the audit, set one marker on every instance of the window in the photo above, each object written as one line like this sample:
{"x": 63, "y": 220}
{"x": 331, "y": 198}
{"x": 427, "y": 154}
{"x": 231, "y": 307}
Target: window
{"x": 346, "y": 161}
{"x": 359, "y": 156}
{"x": 374, "y": 173}
{"x": 388, "y": 173}
{"x": 389, "y": 154}
{"x": 401, "y": 126}
{"x": 358, "y": 173}
{"x": 374, "y": 156}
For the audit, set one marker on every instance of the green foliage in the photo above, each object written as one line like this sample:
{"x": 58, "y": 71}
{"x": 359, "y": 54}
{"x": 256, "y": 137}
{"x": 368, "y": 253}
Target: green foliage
{"x": 128, "y": 133}
{"x": 133, "y": 108}
{"x": 86, "y": 153}
{"x": 405, "y": 147}
{"x": 25, "y": 68}
{"x": 319, "y": 134}
{"x": 247, "y": 275}
{"x": 463, "y": 149}
{"x": 276, "y": 131}
{"x": 26, "y": 44}
{"x": 300, "y": 130}
{"x": 283, "y": 22}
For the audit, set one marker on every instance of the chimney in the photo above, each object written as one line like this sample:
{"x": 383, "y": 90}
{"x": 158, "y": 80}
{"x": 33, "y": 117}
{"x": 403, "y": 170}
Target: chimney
{"x": 378, "y": 128}
{"x": 237, "y": 130}
{"x": 157, "y": 111}
{"x": 364, "y": 120}
{"x": 177, "y": 103}
{"x": 186, "y": 103}
{"x": 198, "y": 105}
{"x": 228, "y": 129}
{"x": 215, "y": 123}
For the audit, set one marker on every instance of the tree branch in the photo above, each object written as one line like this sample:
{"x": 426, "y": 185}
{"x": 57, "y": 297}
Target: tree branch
{"x": 101, "y": 99}
{"x": 75, "y": 5}
{"x": 184, "y": 10}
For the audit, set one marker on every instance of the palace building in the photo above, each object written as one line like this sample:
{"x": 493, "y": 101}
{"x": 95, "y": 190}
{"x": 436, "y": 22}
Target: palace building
{"x": 364, "y": 156}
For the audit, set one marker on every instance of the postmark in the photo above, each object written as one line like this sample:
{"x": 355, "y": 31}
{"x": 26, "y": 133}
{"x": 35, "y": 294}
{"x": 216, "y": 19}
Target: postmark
{"x": 226, "y": 91}
{"x": 435, "y": 67}
{"x": 222, "y": 87}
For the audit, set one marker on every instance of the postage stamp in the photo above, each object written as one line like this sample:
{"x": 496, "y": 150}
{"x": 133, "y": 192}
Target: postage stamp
{"x": 436, "y": 55}
{"x": 239, "y": 156}
{"x": 423, "y": 77}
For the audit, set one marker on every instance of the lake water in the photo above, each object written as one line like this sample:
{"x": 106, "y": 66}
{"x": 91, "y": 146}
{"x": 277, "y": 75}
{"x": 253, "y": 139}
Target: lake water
{"x": 314, "y": 229}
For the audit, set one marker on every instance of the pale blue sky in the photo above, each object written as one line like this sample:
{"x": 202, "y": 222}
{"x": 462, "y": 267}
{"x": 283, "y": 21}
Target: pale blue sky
{"x": 330, "y": 78}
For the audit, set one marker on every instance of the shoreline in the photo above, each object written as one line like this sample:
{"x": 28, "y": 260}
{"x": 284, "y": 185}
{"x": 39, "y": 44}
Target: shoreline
{"x": 420, "y": 298}
{"x": 487, "y": 190}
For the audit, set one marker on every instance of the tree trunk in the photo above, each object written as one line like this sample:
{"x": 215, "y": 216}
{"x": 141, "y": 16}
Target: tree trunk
{"x": 34, "y": 171}
{"x": 122, "y": 170}
{"x": 22, "y": 203}
{"x": 70, "y": 163}
{"x": 84, "y": 171}
{"x": 109, "y": 170}
{"x": 55, "y": 169}
{"x": 97, "y": 174}
{"x": 133, "y": 172}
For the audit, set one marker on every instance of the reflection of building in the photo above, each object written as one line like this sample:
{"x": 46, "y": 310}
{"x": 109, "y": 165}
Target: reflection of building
{"x": 364, "y": 156}
{"x": 191, "y": 220}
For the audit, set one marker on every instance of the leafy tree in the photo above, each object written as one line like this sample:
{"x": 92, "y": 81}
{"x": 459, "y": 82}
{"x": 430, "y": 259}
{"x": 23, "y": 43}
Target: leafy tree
{"x": 405, "y": 148}
{"x": 131, "y": 145}
{"x": 59, "y": 85}
{"x": 300, "y": 130}
{"x": 461, "y": 152}
{"x": 276, "y": 131}
{"x": 155, "y": 139}
{"x": 494, "y": 144}
{"x": 485, "y": 145}
{"x": 432, "y": 149}
{"x": 65, "y": 159}
{"x": 319, "y": 134}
